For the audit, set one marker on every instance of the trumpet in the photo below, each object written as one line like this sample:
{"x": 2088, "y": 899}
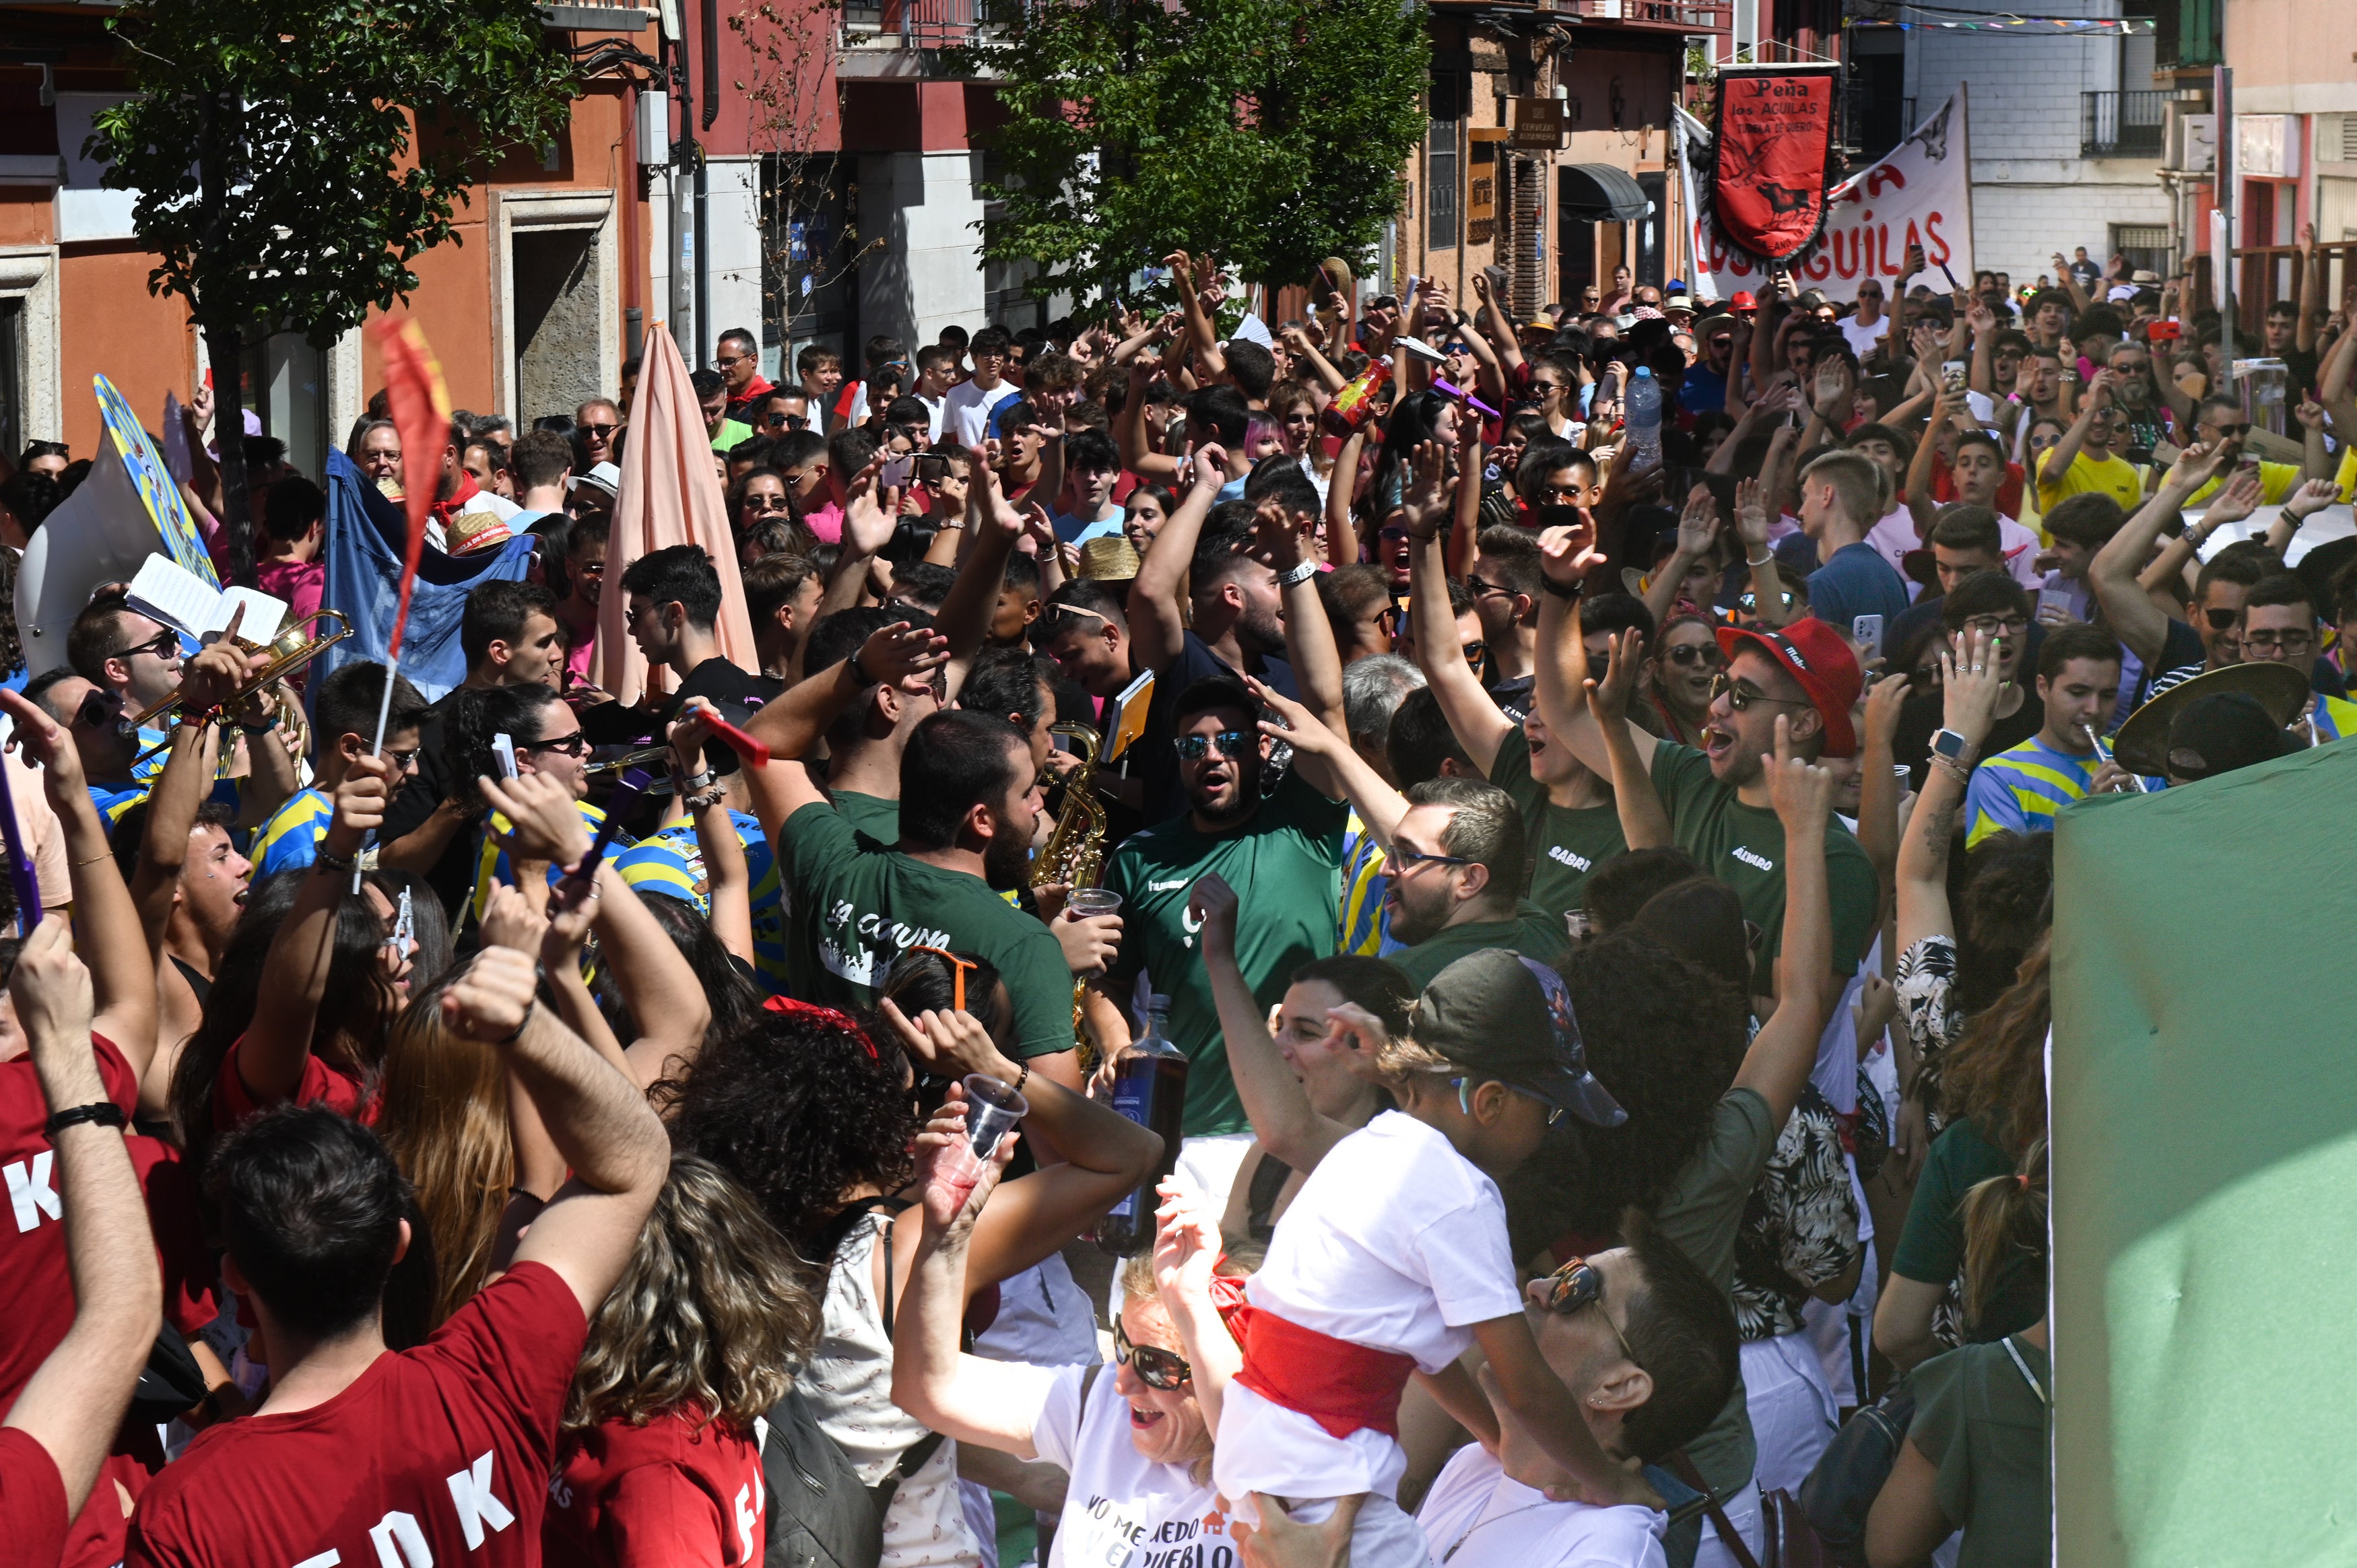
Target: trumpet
{"x": 2103, "y": 756}
{"x": 288, "y": 651}
{"x": 644, "y": 757}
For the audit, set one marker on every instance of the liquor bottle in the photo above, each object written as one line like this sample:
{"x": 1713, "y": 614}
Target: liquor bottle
{"x": 1149, "y": 1087}
{"x": 1355, "y": 403}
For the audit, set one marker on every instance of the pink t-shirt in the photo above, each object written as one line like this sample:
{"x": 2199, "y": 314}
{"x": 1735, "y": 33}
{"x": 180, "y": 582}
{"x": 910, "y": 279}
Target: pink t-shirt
{"x": 299, "y": 582}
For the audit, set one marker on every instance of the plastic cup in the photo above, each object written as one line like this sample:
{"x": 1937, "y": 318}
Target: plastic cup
{"x": 1088, "y": 903}
{"x": 992, "y": 1109}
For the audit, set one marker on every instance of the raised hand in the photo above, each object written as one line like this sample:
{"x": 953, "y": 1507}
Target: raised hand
{"x": 949, "y": 1043}
{"x": 1430, "y": 495}
{"x": 1300, "y": 726}
{"x": 2235, "y": 500}
{"x": 1211, "y": 466}
{"x": 1751, "y": 516}
{"x": 2311, "y": 499}
{"x": 492, "y": 999}
{"x": 544, "y": 823}
{"x": 1608, "y": 700}
{"x": 1833, "y": 387}
{"x": 951, "y": 1185}
{"x": 904, "y": 656}
{"x": 359, "y": 804}
{"x": 1211, "y": 904}
{"x": 1567, "y": 554}
{"x": 53, "y": 995}
{"x": 1698, "y": 524}
{"x": 1969, "y": 684}
{"x": 49, "y": 744}
{"x": 508, "y": 922}
{"x": 1186, "y": 1243}
{"x": 1802, "y": 792}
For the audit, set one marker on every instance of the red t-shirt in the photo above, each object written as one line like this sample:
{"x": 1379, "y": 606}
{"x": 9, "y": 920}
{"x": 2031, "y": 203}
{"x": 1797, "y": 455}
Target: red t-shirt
{"x": 2009, "y": 494}
{"x": 321, "y": 1084}
{"x": 32, "y": 1501}
{"x": 659, "y": 1494}
{"x": 440, "y": 1454}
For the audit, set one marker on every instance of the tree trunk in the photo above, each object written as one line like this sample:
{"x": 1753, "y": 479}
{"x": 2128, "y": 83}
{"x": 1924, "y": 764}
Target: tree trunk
{"x": 225, "y": 347}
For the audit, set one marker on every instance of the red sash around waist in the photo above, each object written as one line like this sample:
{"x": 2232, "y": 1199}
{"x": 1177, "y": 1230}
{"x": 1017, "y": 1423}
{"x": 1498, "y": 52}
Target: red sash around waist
{"x": 1342, "y": 1387}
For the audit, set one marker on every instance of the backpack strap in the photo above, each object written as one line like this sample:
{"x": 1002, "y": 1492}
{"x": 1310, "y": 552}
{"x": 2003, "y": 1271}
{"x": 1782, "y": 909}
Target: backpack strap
{"x": 1732, "y": 1539}
{"x": 2023, "y": 1367}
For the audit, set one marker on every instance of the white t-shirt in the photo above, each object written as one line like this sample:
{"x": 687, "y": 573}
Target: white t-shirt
{"x": 936, "y": 410}
{"x": 1397, "y": 1242}
{"x": 1894, "y": 536}
{"x": 1476, "y": 1516}
{"x": 1863, "y": 338}
{"x": 969, "y": 408}
{"x": 1121, "y": 1510}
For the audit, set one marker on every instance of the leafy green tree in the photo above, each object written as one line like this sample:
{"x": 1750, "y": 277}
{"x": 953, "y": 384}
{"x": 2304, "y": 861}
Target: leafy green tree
{"x": 293, "y": 157}
{"x": 1269, "y": 132}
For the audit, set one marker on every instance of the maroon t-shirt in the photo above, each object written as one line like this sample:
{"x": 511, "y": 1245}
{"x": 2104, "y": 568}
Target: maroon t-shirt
{"x": 32, "y": 1502}
{"x": 320, "y": 1084}
{"x": 441, "y": 1453}
{"x": 672, "y": 1491}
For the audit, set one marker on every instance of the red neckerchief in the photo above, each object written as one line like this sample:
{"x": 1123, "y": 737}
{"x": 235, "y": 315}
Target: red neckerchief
{"x": 466, "y": 491}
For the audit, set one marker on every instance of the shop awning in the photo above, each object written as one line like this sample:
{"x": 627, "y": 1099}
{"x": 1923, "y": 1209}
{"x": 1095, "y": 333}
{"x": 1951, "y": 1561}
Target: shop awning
{"x": 1601, "y": 194}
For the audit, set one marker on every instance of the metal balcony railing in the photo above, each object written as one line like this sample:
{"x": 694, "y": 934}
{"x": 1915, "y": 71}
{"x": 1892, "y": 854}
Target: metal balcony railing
{"x": 911, "y": 24}
{"x": 1666, "y": 15}
{"x": 2120, "y": 125}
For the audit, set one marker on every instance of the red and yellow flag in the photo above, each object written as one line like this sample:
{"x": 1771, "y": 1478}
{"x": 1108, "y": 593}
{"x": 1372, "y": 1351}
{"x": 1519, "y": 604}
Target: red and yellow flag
{"x": 420, "y": 407}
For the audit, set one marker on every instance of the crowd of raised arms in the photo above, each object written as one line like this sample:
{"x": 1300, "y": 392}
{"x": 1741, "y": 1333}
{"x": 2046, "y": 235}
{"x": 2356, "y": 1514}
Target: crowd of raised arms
{"x": 1586, "y": 842}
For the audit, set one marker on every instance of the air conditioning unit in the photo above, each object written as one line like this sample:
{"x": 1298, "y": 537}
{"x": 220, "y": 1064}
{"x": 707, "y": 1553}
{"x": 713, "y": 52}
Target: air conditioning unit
{"x": 2197, "y": 143}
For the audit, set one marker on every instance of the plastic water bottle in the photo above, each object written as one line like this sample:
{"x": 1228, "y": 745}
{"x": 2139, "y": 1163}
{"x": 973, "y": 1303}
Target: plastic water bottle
{"x": 1643, "y": 420}
{"x": 1149, "y": 1087}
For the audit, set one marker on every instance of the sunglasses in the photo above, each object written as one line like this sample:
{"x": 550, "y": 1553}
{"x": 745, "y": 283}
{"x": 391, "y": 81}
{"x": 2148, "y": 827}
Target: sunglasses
{"x": 958, "y": 967}
{"x": 1465, "y": 1087}
{"x": 2222, "y": 620}
{"x": 1705, "y": 654}
{"x": 789, "y": 422}
{"x": 1404, "y": 859}
{"x": 401, "y": 760}
{"x": 163, "y": 645}
{"x": 1234, "y": 743}
{"x": 1740, "y": 696}
{"x": 765, "y": 505}
{"x": 1157, "y": 1367}
{"x": 99, "y": 709}
{"x": 573, "y": 745}
{"x": 1580, "y": 1284}
{"x": 599, "y": 431}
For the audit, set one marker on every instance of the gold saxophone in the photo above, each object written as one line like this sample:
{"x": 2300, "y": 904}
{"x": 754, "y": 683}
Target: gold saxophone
{"x": 1074, "y": 853}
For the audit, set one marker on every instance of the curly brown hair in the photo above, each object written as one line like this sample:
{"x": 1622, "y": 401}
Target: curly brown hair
{"x": 1997, "y": 1074}
{"x": 713, "y": 1314}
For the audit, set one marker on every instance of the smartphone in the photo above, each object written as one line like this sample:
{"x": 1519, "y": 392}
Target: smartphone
{"x": 1952, "y": 373}
{"x": 1866, "y": 632}
{"x": 503, "y": 748}
{"x": 897, "y": 469}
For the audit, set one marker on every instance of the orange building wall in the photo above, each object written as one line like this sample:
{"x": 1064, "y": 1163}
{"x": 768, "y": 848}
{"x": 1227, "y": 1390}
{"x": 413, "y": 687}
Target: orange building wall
{"x": 108, "y": 322}
{"x": 25, "y": 215}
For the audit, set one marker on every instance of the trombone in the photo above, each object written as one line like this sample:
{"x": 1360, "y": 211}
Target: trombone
{"x": 288, "y": 651}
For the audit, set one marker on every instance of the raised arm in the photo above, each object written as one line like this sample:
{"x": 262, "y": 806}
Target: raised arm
{"x": 121, "y": 965}
{"x": 1289, "y": 1127}
{"x": 1137, "y": 453}
{"x": 2311, "y": 284}
{"x": 1878, "y": 781}
{"x": 1105, "y": 1154}
{"x": 1341, "y": 533}
{"x": 1644, "y": 821}
{"x": 1472, "y": 714}
{"x": 295, "y": 975}
{"x": 1566, "y": 557}
{"x": 75, "y": 1400}
{"x": 1187, "y": 1254}
{"x": 792, "y": 723}
{"x": 728, "y": 882}
{"x": 1969, "y": 689}
{"x": 1697, "y": 532}
{"x": 1157, "y": 631}
{"x": 1200, "y": 336}
{"x": 1329, "y": 752}
{"x": 1920, "y": 504}
{"x": 1782, "y": 1054}
{"x": 1288, "y": 539}
{"x": 964, "y": 1398}
{"x": 598, "y": 1119}
{"x": 1751, "y": 531}
{"x": 2128, "y": 611}
{"x": 2058, "y": 462}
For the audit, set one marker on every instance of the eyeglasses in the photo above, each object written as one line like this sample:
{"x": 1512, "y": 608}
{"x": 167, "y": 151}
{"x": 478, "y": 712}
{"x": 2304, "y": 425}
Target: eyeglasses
{"x": 731, "y": 362}
{"x": 1580, "y": 1284}
{"x": 1740, "y": 695}
{"x": 99, "y": 709}
{"x": 1404, "y": 859}
{"x": 598, "y": 432}
{"x": 2001, "y": 625}
{"x": 1157, "y": 1367}
{"x": 789, "y": 422}
{"x": 590, "y": 569}
{"x": 1465, "y": 1087}
{"x": 1705, "y": 654}
{"x": 1232, "y": 742}
{"x": 958, "y": 966}
{"x": 164, "y": 644}
{"x": 2293, "y": 641}
{"x": 573, "y": 745}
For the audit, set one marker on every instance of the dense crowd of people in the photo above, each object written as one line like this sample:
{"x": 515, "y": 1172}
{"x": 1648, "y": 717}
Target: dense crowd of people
{"x": 1573, "y": 798}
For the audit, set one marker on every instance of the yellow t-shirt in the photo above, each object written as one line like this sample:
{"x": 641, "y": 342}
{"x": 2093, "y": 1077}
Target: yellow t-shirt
{"x": 2113, "y": 477}
{"x": 2276, "y": 480}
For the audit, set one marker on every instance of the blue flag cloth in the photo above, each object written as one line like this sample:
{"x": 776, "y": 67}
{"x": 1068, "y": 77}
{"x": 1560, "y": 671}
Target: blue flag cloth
{"x": 365, "y": 535}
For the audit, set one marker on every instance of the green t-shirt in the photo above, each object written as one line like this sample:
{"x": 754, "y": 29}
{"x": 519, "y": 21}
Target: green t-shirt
{"x": 857, "y": 905}
{"x": 1285, "y": 863}
{"x": 1978, "y": 1419}
{"x": 731, "y": 432}
{"x": 1743, "y": 846}
{"x": 1566, "y": 843}
{"x": 1532, "y": 932}
{"x": 1931, "y": 1245}
{"x": 871, "y": 814}
{"x": 1701, "y": 1212}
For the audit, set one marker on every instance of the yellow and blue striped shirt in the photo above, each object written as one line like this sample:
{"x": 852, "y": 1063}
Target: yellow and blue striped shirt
{"x": 112, "y": 802}
{"x": 1362, "y": 927}
{"x": 2334, "y": 718}
{"x": 290, "y": 839}
{"x": 2021, "y": 789}
{"x": 670, "y": 862}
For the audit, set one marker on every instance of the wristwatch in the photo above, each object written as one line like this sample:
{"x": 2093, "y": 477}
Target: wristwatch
{"x": 1947, "y": 742}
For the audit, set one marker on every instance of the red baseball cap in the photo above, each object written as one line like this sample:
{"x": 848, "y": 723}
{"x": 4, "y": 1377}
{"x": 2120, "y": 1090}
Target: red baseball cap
{"x": 1821, "y": 662}
{"x": 1743, "y": 301}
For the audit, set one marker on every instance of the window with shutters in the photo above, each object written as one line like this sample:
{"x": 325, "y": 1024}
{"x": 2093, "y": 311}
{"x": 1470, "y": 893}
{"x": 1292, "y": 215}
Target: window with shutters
{"x": 1441, "y": 179}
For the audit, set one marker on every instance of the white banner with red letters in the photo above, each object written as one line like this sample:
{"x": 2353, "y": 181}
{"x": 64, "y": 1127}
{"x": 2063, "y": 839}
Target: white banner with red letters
{"x": 1920, "y": 194}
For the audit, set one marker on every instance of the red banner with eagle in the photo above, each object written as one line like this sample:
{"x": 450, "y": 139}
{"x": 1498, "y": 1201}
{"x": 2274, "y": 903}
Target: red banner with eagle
{"x": 1774, "y": 151}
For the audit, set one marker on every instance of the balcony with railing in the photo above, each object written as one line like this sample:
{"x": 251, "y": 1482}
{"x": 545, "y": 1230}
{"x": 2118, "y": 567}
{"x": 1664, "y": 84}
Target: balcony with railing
{"x": 2120, "y": 125}
{"x": 910, "y": 23}
{"x": 1650, "y": 15}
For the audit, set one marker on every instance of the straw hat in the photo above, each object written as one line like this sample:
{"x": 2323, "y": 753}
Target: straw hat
{"x": 1108, "y": 560}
